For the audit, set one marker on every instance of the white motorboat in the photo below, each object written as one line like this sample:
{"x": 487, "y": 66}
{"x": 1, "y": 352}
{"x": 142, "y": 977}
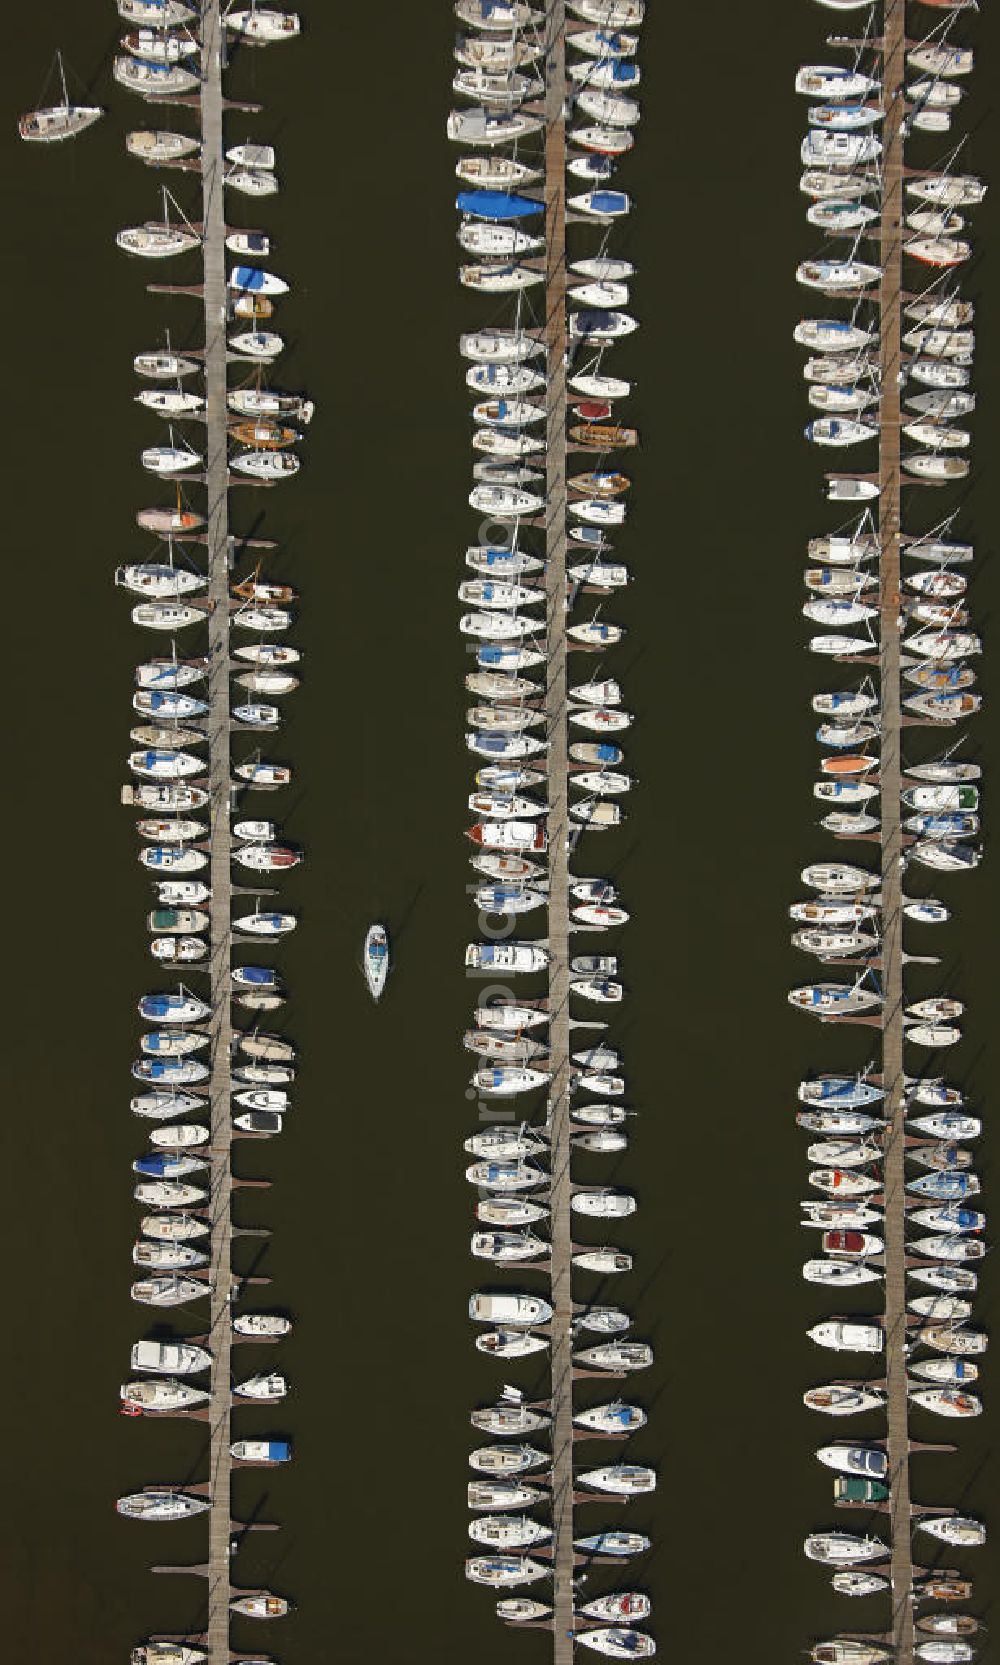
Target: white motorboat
{"x": 158, "y": 146}
{"x": 822, "y": 149}
{"x": 483, "y": 126}
{"x": 844, "y": 1337}
{"x": 156, "y": 242}
{"x": 152, "y": 80}
{"x": 251, "y": 182}
{"x": 264, "y": 1388}
{"x": 505, "y": 1532}
{"x": 262, "y": 26}
{"x": 844, "y": 1399}
{"x": 489, "y": 85}
{"x": 603, "y": 1204}
{"x": 262, "y": 1326}
{"x": 161, "y": 1505}
{"x": 618, "y": 1642}
{"x": 839, "y": 1549}
{"x": 504, "y": 1572}
{"x": 837, "y": 276}
{"x": 828, "y": 81}
{"x": 515, "y": 1310}
{"x": 375, "y": 959}
{"x": 491, "y": 172}
{"x": 510, "y": 1344}
{"x": 961, "y": 1531}
{"x": 618, "y": 1356}
{"x": 257, "y": 344}
{"x": 607, "y": 14}
{"x": 946, "y": 1401}
{"x": 628, "y": 1479}
{"x": 615, "y": 1418}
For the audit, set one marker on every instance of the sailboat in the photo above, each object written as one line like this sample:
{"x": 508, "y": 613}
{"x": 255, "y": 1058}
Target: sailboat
{"x": 58, "y": 121}
{"x": 375, "y": 962}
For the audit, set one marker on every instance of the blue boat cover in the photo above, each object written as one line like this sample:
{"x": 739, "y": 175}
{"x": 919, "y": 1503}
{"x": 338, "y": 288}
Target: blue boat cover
{"x": 246, "y": 277}
{"x": 497, "y": 205}
{"x": 608, "y": 202}
{"x": 279, "y": 1451}
{"x": 155, "y": 1165}
{"x": 258, "y": 974}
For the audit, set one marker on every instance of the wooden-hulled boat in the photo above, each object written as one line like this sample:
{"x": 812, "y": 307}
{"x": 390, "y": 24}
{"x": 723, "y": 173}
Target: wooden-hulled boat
{"x": 604, "y": 436}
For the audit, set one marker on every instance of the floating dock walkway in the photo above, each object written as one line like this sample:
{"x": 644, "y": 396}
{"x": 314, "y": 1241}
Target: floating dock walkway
{"x": 558, "y": 830}
{"x": 218, "y": 552}
{"x": 890, "y": 771}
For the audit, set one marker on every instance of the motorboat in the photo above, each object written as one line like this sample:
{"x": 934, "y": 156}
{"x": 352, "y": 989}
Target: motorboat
{"x": 604, "y": 1203}
{"x": 615, "y": 1543}
{"x": 949, "y": 1125}
{"x": 948, "y": 1624}
{"x": 509, "y": 1417}
{"x": 505, "y": 1571}
{"x": 951, "y": 1247}
{"x": 628, "y": 1479}
{"x": 506, "y": 1532}
{"x": 946, "y": 1401}
{"x": 153, "y": 80}
{"x": 262, "y": 1453}
{"x": 162, "y": 1396}
{"x": 844, "y": 1398}
{"x": 265, "y": 1388}
{"x": 506, "y": 87}
{"x": 618, "y": 1642}
{"x": 848, "y": 1650}
{"x": 845, "y": 1337}
{"x": 493, "y": 172}
{"x": 615, "y": 1418}
{"x": 167, "y": 1653}
{"x": 838, "y": 1549}
{"x": 158, "y": 1504}
{"x": 159, "y": 47}
{"x": 262, "y": 26}
{"x": 156, "y": 242}
{"x": 951, "y": 1218}
{"x": 946, "y": 1371}
{"x": 824, "y": 149}
{"x": 155, "y": 146}
{"x": 483, "y": 126}
{"x": 502, "y": 1493}
{"x": 961, "y": 1531}
{"x": 833, "y": 82}
{"x": 832, "y": 1000}
{"x": 504, "y": 1461}
{"x": 260, "y": 1604}
{"x": 505, "y": 1309}
{"x": 619, "y": 1356}
{"x": 839, "y": 1273}
{"x": 510, "y": 1344}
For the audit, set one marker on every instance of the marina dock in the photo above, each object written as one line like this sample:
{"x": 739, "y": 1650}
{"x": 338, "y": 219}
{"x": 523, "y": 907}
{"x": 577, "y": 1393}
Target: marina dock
{"x": 218, "y": 550}
{"x": 558, "y": 827}
{"x": 890, "y": 771}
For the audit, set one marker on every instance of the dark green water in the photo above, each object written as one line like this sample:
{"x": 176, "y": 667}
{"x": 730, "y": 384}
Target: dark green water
{"x": 370, "y": 1213}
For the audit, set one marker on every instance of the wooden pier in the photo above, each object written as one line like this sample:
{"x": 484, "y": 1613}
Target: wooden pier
{"x": 890, "y": 770}
{"x": 558, "y": 830}
{"x": 218, "y": 550}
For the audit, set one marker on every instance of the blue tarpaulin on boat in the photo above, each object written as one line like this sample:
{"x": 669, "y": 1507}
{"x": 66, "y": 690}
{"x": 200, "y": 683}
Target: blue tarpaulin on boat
{"x": 608, "y": 202}
{"x": 496, "y": 205}
{"x": 246, "y": 277}
{"x": 156, "y": 1164}
{"x": 278, "y": 1451}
